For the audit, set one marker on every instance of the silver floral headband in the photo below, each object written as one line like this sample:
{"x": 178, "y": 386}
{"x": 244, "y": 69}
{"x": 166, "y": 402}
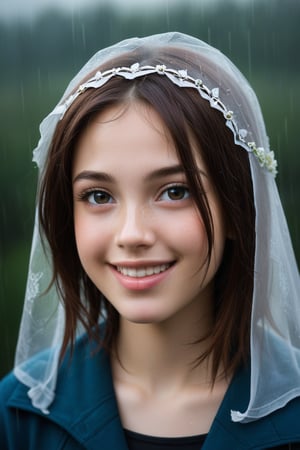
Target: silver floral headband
{"x": 181, "y": 78}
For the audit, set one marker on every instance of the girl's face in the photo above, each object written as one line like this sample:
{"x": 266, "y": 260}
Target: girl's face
{"x": 139, "y": 235}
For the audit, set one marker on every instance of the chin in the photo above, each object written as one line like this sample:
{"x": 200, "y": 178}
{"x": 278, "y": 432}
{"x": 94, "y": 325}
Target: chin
{"x": 149, "y": 317}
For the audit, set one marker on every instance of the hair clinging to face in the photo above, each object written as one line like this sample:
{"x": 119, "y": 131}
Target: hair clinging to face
{"x": 191, "y": 122}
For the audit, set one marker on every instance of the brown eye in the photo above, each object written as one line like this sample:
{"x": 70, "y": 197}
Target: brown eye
{"x": 99, "y": 198}
{"x": 176, "y": 192}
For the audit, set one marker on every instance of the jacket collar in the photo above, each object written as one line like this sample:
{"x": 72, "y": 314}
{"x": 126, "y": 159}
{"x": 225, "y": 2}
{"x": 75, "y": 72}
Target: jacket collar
{"x": 85, "y": 405}
{"x": 278, "y": 428}
{"x": 225, "y": 433}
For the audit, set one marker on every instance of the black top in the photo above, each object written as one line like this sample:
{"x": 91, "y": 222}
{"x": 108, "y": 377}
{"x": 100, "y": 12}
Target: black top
{"x": 137, "y": 441}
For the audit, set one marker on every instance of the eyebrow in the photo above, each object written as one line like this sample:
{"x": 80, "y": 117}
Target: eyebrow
{"x": 156, "y": 174}
{"x": 93, "y": 176}
{"x": 165, "y": 171}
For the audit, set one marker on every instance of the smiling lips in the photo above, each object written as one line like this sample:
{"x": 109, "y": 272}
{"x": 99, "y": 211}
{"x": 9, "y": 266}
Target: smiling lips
{"x": 140, "y": 277}
{"x": 142, "y": 271}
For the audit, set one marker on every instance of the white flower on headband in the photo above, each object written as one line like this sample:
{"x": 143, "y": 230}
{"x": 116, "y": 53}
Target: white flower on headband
{"x": 265, "y": 159}
{"x": 135, "y": 67}
{"x": 161, "y": 68}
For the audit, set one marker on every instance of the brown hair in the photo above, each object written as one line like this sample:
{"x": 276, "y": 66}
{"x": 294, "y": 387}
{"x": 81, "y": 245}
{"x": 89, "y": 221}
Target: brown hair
{"x": 182, "y": 111}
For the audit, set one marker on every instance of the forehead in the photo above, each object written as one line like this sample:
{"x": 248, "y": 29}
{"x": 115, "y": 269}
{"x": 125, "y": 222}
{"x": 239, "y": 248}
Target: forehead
{"x": 131, "y": 133}
{"x": 122, "y": 136}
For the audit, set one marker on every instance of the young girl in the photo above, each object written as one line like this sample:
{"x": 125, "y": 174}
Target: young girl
{"x": 162, "y": 304}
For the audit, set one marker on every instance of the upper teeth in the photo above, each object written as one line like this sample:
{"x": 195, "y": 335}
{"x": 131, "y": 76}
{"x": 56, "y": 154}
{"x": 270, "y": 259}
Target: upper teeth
{"x": 142, "y": 271}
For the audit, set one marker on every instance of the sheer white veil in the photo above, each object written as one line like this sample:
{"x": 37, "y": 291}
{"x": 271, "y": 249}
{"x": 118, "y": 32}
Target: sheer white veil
{"x": 275, "y": 326}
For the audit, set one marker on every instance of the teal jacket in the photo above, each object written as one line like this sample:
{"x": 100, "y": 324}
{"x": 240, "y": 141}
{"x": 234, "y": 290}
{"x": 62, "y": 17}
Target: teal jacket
{"x": 84, "y": 414}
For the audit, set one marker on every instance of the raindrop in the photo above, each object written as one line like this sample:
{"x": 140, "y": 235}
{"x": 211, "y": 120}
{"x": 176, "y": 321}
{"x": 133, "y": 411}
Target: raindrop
{"x": 249, "y": 53}
{"x": 286, "y": 129}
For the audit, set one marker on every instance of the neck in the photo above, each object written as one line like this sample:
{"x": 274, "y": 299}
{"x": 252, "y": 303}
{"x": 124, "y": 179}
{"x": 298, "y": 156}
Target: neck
{"x": 163, "y": 355}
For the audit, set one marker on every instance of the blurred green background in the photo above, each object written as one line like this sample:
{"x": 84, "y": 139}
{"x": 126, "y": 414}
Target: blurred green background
{"x": 38, "y": 57}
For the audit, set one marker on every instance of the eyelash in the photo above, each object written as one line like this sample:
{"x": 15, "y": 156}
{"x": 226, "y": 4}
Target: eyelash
{"x": 178, "y": 186}
{"x": 84, "y": 196}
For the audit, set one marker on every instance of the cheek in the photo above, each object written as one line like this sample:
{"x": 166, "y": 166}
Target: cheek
{"x": 190, "y": 234}
{"x": 89, "y": 238}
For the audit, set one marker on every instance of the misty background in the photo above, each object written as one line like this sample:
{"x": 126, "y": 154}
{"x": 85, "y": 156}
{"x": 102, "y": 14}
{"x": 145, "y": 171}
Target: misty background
{"x": 42, "y": 47}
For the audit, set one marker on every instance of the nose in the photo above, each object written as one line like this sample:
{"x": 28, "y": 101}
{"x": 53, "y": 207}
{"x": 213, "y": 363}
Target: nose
{"x": 134, "y": 228}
